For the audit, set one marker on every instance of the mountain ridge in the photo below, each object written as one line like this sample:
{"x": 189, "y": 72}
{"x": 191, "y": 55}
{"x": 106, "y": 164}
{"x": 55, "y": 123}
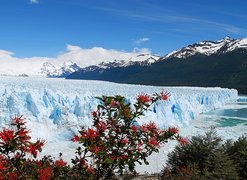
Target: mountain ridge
{"x": 225, "y": 65}
{"x": 224, "y": 45}
{"x": 62, "y": 70}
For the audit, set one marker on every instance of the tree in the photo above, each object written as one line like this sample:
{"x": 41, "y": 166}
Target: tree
{"x": 238, "y": 153}
{"x": 206, "y": 154}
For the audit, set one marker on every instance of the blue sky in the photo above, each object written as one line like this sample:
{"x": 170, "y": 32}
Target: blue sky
{"x": 45, "y": 27}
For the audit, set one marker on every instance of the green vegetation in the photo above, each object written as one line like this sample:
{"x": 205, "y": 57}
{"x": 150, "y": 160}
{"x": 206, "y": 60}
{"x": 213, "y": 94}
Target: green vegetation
{"x": 207, "y": 157}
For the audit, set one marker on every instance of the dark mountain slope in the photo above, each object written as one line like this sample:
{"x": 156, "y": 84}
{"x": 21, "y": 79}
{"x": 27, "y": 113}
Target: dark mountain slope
{"x": 224, "y": 70}
{"x": 220, "y": 69}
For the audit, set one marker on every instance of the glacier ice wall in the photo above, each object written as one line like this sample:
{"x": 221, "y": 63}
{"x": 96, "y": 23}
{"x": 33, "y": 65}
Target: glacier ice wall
{"x": 55, "y": 108}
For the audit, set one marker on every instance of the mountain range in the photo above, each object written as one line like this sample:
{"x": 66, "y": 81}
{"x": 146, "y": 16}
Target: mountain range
{"x": 208, "y": 63}
{"x": 62, "y": 70}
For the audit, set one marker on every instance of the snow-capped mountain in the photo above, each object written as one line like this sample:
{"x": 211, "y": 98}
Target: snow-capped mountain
{"x": 50, "y": 70}
{"x": 208, "y": 48}
{"x": 205, "y": 47}
{"x": 63, "y": 70}
{"x": 207, "y": 63}
{"x": 141, "y": 59}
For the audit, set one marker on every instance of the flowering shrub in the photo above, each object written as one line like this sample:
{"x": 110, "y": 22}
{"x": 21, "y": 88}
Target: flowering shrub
{"x": 115, "y": 141}
{"x": 15, "y": 145}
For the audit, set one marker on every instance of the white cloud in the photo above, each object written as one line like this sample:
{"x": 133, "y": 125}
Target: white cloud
{"x": 34, "y": 1}
{"x": 9, "y": 64}
{"x": 95, "y": 55}
{"x": 5, "y": 54}
{"x": 142, "y": 40}
{"x": 14, "y": 66}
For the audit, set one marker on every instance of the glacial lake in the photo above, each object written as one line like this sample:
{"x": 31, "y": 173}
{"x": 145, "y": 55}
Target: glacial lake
{"x": 230, "y": 122}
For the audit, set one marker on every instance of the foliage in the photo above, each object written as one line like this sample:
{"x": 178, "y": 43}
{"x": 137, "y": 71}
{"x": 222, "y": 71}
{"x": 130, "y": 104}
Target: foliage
{"x": 16, "y": 145}
{"x": 207, "y": 157}
{"x": 115, "y": 141}
{"x": 237, "y": 151}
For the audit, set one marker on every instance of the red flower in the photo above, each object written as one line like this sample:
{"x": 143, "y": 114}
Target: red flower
{"x": 134, "y": 128}
{"x": 113, "y": 103}
{"x": 7, "y": 135}
{"x": 91, "y": 134}
{"x": 94, "y": 113}
{"x": 143, "y": 98}
{"x": 18, "y": 121}
{"x": 90, "y": 169}
{"x": 17, "y": 155}
{"x": 23, "y": 132}
{"x": 144, "y": 128}
{"x": 2, "y": 165}
{"x": 153, "y": 142}
{"x": 123, "y": 156}
{"x": 38, "y": 163}
{"x": 44, "y": 173}
{"x": 173, "y": 130}
{"x": 60, "y": 163}
{"x": 95, "y": 149}
{"x": 40, "y": 144}
{"x": 101, "y": 126}
{"x": 151, "y": 126}
{"x": 139, "y": 148}
{"x": 124, "y": 141}
{"x": 164, "y": 95}
{"x": 33, "y": 148}
{"x": 183, "y": 141}
{"x": 12, "y": 175}
{"x": 111, "y": 157}
{"x": 75, "y": 138}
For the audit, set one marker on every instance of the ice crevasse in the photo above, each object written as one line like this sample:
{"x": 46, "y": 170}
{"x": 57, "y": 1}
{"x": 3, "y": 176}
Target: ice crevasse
{"x": 56, "y": 108}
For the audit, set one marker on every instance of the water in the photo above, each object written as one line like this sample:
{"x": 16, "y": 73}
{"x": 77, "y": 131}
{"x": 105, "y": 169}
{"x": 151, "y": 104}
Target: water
{"x": 230, "y": 122}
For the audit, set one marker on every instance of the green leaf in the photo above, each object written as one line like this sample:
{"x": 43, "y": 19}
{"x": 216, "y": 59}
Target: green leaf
{"x": 109, "y": 161}
{"x": 12, "y": 143}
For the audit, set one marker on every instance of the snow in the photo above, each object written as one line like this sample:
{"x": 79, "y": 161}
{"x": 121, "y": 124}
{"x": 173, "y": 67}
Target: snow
{"x": 209, "y": 47}
{"x": 56, "y": 108}
{"x": 145, "y": 58}
{"x": 204, "y": 47}
{"x": 241, "y": 43}
{"x": 61, "y": 70}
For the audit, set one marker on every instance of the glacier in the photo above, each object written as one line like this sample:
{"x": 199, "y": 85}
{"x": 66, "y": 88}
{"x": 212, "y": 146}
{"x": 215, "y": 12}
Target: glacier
{"x": 56, "y": 108}
{"x": 69, "y": 103}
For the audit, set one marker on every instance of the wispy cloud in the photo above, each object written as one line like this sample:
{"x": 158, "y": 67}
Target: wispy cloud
{"x": 142, "y": 40}
{"x": 177, "y": 18}
{"x": 34, "y": 1}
